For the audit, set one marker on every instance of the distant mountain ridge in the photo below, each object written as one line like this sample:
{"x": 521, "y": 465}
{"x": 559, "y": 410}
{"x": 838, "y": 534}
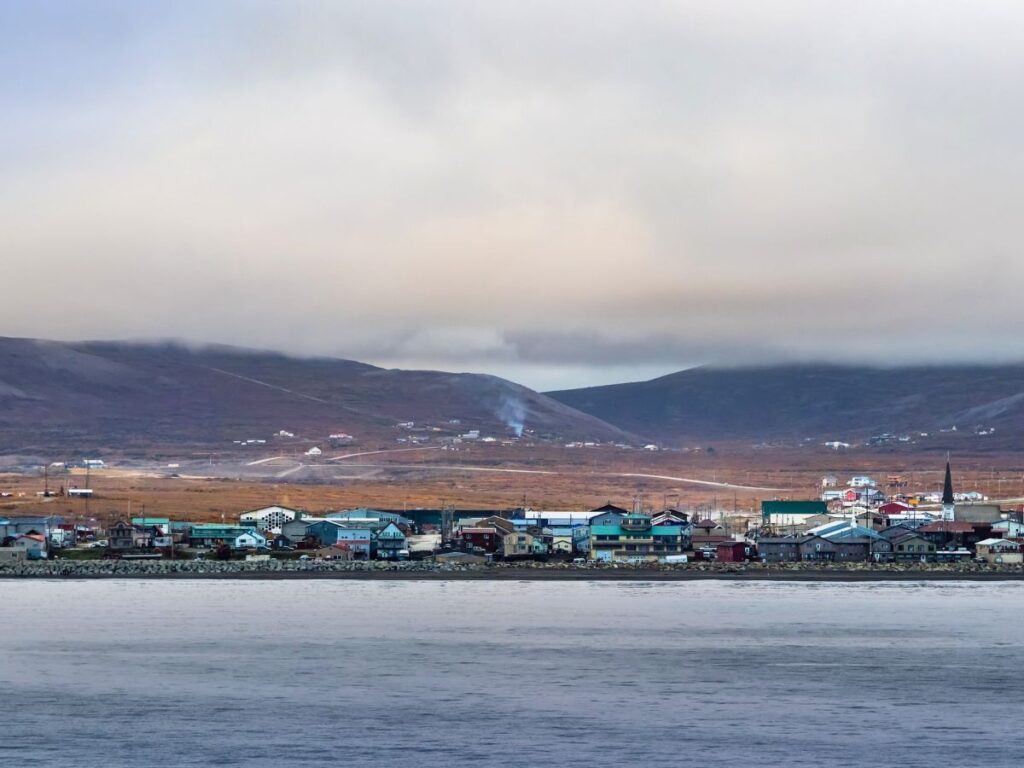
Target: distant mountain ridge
{"x": 57, "y": 395}
{"x": 824, "y": 402}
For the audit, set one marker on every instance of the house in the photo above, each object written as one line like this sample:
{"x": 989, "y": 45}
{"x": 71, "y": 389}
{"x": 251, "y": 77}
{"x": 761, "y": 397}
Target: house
{"x": 32, "y": 544}
{"x": 162, "y": 524}
{"x": 609, "y": 514}
{"x": 294, "y": 531}
{"x": 999, "y": 551}
{"x": 250, "y": 539}
{"x": 357, "y": 539}
{"x": 390, "y": 543}
{"x": 669, "y": 516}
{"x": 314, "y": 452}
{"x": 125, "y": 535}
{"x": 861, "y": 481}
{"x": 486, "y": 538}
{"x": 829, "y": 481}
{"x": 563, "y": 538}
{"x": 779, "y": 549}
{"x": 635, "y": 537}
{"x": 864, "y": 495}
{"x": 949, "y": 534}
{"x": 813, "y": 548}
{"x": 894, "y": 508}
{"x": 269, "y": 518}
{"x": 203, "y": 535}
{"x": 911, "y": 546}
{"x": 522, "y": 544}
{"x": 487, "y": 534}
{"x": 782, "y": 513}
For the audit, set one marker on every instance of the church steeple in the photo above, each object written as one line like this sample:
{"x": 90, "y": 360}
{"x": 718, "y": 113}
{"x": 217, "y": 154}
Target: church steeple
{"x": 948, "y": 504}
{"x": 947, "y": 488}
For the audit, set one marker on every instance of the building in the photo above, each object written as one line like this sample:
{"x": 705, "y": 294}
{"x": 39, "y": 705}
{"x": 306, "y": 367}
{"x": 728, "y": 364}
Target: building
{"x": 779, "y": 549}
{"x": 861, "y": 481}
{"x": 205, "y": 535}
{"x": 1008, "y": 529}
{"x": 523, "y": 544}
{"x": 635, "y": 537}
{"x": 42, "y": 524}
{"x": 999, "y": 551}
{"x": 609, "y": 514}
{"x": 864, "y": 495}
{"x": 162, "y": 524}
{"x": 270, "y": 518}
{"x": 124, "y": 535}
{"x": 249, "y": 539}
{"x": 829, "y": 481}
{"x": 487, "y": 534}
{"x": 32, "y": 544}
{"x": 356, "y": 539}
{"x": 781, "y": 513}
{"x": 950, "y": 535}
{"x": 391, "y": 544}
{"x": 369, "y": 518}
{"x": 294, "y": 531}
{"x": 910, "y": 546}
{"x": 732, "y": 551}
{"x": 895, "y": 508}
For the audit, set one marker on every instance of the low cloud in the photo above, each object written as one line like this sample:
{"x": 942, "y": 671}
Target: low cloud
{"x": 558, "y": 192}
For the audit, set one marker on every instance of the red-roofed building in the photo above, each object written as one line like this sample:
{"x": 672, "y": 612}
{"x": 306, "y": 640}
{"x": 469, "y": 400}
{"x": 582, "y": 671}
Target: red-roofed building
{"x": 894, "y": 508}
{"x": 951, "y": 534}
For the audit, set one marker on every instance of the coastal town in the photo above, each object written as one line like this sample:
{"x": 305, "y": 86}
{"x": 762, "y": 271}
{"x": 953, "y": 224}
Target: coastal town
{"x": 853, "y": 521}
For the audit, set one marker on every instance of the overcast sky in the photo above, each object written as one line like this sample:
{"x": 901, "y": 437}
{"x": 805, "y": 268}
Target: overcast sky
{"x": 563, "y": 193}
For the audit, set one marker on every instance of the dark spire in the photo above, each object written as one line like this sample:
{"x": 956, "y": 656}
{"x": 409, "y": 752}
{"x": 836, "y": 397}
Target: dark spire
{"x": 947, "y": 488}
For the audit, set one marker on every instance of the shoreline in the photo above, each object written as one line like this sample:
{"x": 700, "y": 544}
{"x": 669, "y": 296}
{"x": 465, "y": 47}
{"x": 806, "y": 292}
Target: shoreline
{"x": 758, "y": 574}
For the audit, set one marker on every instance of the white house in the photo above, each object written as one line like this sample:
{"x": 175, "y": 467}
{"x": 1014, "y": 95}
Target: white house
{"x": 33, "y": 544}
{"x": 861, "y": 481}
{"x": 829, "y": 481}
{"x": 249, "y": 540}
{"x": 270, "y": 518}
{"x": 999, "y": 551}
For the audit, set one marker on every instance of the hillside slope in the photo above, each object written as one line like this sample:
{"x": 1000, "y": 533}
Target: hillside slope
{"x": 814, "y": 401}
{"x": 135, "y": 396}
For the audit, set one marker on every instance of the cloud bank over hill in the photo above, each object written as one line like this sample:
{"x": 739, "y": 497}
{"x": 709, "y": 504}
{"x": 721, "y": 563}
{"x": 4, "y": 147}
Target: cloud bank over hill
{"x": 558, "y": 192}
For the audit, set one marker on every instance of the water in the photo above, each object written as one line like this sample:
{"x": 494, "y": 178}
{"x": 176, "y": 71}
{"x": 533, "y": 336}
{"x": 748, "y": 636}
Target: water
{"x": 310, "y": 673}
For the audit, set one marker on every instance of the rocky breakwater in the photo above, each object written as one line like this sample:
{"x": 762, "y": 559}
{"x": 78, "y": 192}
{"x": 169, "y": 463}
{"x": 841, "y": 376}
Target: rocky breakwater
{"x": 84, "y": 569}
{"x": 426, "y": 569}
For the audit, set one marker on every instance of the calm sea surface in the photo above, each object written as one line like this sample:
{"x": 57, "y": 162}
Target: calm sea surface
{"x": 304, "y": 673}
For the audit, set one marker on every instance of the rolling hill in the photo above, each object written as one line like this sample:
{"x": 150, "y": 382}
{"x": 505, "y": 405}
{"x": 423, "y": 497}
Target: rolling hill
{"x": 823, "y": 402}
{"x": 135, "y": 396}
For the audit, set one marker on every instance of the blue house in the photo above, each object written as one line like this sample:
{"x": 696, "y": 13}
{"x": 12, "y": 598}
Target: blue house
{"x": 332, "y": 533}
{"x": 391, "y": 543}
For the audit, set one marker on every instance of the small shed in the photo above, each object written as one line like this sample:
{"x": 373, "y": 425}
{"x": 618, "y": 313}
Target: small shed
{"x": 731, "y": 552}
